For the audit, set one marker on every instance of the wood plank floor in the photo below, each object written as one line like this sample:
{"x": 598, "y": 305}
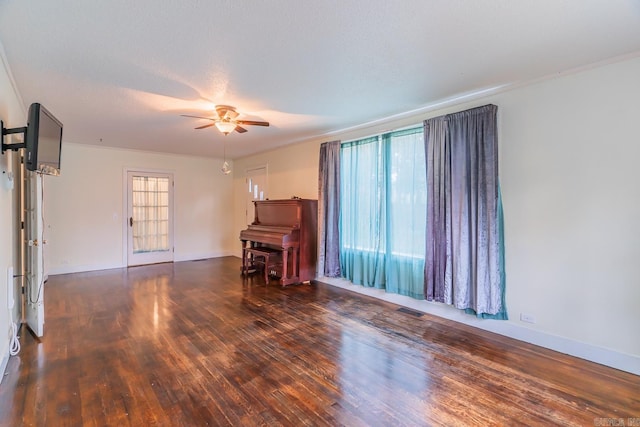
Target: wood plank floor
{"x": 192, "y": 343}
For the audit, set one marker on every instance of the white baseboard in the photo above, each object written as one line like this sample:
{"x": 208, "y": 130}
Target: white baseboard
{"x": 198, "y": 256}
{"x": 67, "y": 269}
{"x": 604, "y": 356}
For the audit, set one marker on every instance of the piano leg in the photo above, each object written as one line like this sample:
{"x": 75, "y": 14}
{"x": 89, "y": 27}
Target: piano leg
{"x": 295, "y": 262}
{"x": 289, "y": 276}
{"x": 245, "y": 268}
{"x": 266, "y": 269}
{"x": 285, "y": 265}
{"x": 248, "y": 265}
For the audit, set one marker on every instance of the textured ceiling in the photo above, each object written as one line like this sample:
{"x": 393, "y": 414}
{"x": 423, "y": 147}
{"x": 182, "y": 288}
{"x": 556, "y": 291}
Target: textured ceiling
{"x": 120, "y": 73}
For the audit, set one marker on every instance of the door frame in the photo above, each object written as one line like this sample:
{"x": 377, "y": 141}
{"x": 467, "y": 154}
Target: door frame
{"x": 33, "y": 199}
{"x": 125, "y": 208}
{"x": 19, "y": 247}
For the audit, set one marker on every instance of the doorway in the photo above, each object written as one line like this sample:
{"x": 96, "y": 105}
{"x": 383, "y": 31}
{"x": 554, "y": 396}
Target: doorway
{"x": 256, "y": 184}
{"x": 149, "y": 217}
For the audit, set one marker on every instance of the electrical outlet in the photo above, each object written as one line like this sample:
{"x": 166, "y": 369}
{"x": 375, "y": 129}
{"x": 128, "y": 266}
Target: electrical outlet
{"x": 529, "y": 318}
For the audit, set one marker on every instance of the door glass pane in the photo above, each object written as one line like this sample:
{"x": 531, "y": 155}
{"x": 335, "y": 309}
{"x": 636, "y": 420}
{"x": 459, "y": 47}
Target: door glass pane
{"x": 150, "y": 214}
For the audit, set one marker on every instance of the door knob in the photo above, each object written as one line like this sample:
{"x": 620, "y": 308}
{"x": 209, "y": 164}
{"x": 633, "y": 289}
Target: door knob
{"x": 130, "y": 221}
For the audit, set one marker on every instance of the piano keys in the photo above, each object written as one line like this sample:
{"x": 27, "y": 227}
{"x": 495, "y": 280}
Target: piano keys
{"x": 290, "y": 227}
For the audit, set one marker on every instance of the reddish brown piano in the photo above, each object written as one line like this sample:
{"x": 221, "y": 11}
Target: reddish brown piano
{"x": 287, "y": 228}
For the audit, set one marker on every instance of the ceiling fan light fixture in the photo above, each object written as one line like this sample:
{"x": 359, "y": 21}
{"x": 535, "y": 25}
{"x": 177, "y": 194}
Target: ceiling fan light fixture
{"x": 225, "y": 127}
{"x": 226, "y": 121}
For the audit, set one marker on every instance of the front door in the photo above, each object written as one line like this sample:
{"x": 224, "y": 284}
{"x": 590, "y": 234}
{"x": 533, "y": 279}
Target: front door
{"x": 150, "y": 217}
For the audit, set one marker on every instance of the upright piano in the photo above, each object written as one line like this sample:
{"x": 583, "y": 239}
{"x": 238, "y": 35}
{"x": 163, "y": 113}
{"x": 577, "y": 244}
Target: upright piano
{"x": 287, "y": 228}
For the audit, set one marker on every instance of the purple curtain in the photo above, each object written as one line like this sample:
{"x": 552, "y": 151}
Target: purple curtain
{"x": 329, "y": 210}
{"x": 465, "y": 245}
{"x": 438, "y": 259}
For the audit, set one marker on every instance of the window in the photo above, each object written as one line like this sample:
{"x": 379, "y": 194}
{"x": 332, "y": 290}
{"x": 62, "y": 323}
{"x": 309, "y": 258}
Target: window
{"x": 383, "y": 211}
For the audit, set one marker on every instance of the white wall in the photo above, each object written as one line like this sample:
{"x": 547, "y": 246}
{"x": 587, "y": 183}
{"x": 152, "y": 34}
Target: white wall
{"x": 12, "y": 113}
{"x": 572, "y": 204}
{"x": 85, "y": 207}
{"x": 292, "y": 171}
{"x": 570, "y": 182}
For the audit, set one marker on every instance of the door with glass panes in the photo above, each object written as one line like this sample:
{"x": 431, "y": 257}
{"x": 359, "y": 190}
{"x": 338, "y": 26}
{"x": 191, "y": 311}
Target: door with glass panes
{"x": 150, "y": 217}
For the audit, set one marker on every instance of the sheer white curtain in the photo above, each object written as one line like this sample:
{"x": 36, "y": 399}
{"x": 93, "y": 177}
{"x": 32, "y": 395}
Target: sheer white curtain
{"x": 150, "y": 200}
{"x": 382, "y": 208}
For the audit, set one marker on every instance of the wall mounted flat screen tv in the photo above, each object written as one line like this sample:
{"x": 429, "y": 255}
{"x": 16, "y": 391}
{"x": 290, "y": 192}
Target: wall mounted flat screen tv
{"x": 43, "y": 141}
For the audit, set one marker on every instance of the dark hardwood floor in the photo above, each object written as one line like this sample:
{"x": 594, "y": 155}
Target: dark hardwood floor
{"x": 193, "y": 344}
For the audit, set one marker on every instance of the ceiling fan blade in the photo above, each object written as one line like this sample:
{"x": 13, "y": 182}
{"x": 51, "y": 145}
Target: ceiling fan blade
{"x": 240, "y": 129}
{"x": 197, "y": 117}
{"x": 252, "y": 123}
{"x": 205, "y": 126}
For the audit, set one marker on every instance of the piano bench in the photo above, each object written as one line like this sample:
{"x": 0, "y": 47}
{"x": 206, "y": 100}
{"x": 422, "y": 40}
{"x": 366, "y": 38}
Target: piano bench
{"x": 267, "y": 257}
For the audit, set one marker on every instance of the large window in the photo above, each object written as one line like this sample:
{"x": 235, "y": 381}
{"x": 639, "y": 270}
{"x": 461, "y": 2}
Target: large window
{"x": 383, "y": 212}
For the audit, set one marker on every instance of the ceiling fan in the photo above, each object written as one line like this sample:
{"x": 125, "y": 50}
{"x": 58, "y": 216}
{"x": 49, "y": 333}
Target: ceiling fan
{"x": 226, "y": 121}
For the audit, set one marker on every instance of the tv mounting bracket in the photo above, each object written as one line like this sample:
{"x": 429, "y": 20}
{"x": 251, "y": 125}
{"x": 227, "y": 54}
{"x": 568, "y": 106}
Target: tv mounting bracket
{"x": 15, "y": 146}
